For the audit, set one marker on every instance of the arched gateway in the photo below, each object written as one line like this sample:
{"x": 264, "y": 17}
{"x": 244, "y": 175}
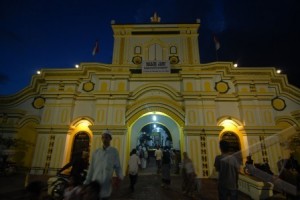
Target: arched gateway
{"x": 155, "y": 105}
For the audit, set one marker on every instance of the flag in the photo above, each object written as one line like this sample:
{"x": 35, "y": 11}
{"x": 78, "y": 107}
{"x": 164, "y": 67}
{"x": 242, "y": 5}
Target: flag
{"x": 96, "y": 48}
{"x": 217, "y": 43}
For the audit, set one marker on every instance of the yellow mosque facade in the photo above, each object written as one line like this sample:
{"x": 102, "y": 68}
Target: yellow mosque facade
{"x": 155, "y": 72}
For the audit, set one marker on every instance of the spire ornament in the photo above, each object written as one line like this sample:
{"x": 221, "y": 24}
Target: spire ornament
{"x": 155, "y": 18}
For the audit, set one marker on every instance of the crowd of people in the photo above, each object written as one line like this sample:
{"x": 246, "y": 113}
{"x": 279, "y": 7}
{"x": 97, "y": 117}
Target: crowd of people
{"x": 99, "y": 181}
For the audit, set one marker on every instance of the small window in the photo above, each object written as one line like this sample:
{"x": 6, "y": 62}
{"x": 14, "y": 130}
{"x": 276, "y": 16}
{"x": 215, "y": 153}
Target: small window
{"x": 173, "y": 50}
{"x": 137, "y": 50}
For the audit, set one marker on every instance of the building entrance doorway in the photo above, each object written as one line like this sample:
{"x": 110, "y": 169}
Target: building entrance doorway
{"x": 81, "y": 143}
{"x": 152, "y": 130}
{"x": 234, "y": 144}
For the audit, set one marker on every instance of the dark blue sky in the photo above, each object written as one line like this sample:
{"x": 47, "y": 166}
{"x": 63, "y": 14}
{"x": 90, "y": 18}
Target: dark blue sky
{"x": 36, "y": 34}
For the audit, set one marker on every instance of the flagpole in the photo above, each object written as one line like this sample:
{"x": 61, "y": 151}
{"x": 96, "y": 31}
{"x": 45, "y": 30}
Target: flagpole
{"x": 217, "y": 45}
{"x": 217, "y": 55}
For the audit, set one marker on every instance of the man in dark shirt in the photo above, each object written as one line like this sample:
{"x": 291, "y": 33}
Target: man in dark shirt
{"x": 79, "y": 164}
{"x": 228, "y": 167}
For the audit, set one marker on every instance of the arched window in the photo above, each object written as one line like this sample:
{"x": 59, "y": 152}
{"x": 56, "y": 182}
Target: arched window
{"x": 173, "y": 50}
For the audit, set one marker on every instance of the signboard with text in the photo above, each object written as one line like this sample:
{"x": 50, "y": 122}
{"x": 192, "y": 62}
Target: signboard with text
{"x": 156, "y": 66}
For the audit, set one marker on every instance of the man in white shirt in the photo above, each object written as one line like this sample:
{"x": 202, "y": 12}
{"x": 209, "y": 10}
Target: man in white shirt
{"x": 133, "y": 168}
{"x": 105, "y": 160}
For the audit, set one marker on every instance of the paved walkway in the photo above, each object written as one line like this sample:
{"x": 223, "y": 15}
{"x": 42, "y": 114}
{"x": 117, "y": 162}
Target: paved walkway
{"x": 148, "y": 187}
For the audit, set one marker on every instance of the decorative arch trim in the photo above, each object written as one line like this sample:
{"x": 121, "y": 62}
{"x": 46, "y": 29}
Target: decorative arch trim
{"x": 164, "y": 106}
{"x": 161, "y": 87}
{"x": 75, "y": 122}
{"x": 27, "y": 119}
{"x": 236, "y": 121}
{"x": 288, "y": 119}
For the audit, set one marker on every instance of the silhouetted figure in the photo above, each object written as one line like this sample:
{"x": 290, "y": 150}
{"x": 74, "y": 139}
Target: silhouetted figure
{"x": 228, "y": 167}
{"x": 292, "y": 164}
{"x": 133, "y": 168}
{"x": 158, "y": 156}
{"x": 177, "y": 161}
{"x": 265, "y": 167}
{"x": 188, "y": 175}
{"x": 249, "y": 166}
{"x": 290, "y": 174}
{"x": 249, "y": 160}
{"x": 79, "y": 166}
{"x": 166, "y": 169}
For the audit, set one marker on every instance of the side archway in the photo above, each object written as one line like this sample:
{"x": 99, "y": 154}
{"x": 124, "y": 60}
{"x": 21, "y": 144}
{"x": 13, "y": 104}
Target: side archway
{"x": 289, "y": 136}
{"x": 232, "y": 132}
{"x": 28, "y": 134}
{"x": 79, "y": 138}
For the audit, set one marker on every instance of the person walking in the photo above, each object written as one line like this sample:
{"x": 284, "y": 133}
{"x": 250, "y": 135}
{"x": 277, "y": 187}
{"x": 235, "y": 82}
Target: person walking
{"x": 79, "y": 165}
{"x": 133, "y": 168}
{"x": 105, "y": 161}
{"x": 158, "y": 156}
{"x": 166, "y": 169}
{"x": 189, "y": 175}
{"x": 228, "y": 167}
{"x": 145, "y": 157}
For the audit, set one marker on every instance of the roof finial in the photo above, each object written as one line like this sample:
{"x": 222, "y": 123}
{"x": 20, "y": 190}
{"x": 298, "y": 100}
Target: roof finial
{"x": 155, "y": 18}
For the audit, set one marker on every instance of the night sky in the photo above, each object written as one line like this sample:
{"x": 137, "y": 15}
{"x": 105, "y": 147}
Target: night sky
{"x": 37, "y": 34}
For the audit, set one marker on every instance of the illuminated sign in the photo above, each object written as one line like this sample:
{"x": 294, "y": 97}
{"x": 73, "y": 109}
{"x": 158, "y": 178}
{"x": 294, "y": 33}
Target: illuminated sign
{"x": 156, "y": 66}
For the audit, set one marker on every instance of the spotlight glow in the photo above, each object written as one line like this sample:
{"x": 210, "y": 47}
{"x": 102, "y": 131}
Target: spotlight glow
{"x": 154, "y": 118}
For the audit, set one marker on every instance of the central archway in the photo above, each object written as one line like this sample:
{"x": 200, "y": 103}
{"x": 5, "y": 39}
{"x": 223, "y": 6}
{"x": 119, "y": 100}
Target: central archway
{"x": 161, "y": 130}
{"x": 156, "y": 99}
{"x": 162, "y": 120}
